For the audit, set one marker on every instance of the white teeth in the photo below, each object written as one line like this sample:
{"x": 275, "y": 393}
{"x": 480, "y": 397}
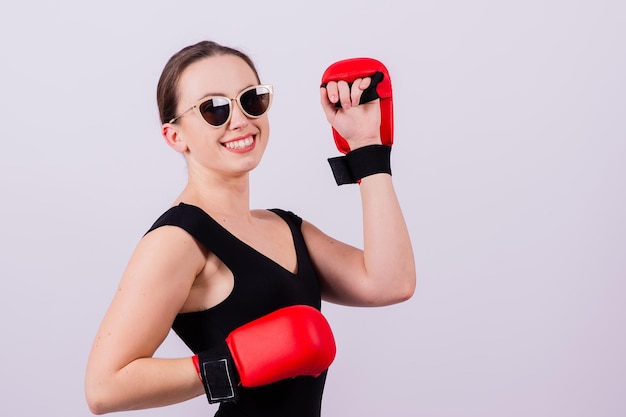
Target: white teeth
{"x": 239, "y": 144}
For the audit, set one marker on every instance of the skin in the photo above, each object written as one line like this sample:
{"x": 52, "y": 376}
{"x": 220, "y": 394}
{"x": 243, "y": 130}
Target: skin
{"x": 169, "y": 272}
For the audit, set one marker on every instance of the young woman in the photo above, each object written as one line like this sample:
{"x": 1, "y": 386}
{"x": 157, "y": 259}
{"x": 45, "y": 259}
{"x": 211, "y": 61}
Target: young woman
{"x": 214, "y": 270}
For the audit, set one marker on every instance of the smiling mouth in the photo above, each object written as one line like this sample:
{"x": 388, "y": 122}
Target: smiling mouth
{"x": 240, "y": 144}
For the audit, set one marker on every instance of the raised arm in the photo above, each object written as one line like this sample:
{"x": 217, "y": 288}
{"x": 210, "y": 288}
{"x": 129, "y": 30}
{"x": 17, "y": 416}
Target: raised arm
{"x": 384, "y": 271}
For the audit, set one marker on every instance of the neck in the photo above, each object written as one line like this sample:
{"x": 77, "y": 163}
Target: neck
{"x": 223, "y": 197}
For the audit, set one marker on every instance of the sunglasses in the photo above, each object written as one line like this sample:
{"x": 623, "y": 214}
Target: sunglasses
{"x": 216, "y": 111}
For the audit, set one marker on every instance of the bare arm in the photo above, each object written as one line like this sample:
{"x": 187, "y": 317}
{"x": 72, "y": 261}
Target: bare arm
{"x": 384, "y": 271}
{"x": 121, "y": 372}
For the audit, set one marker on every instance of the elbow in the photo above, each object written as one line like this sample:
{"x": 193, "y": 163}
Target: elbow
{"x": 410, "y": 283}
{"x": 95, "y": 405}
{"x": 98, "y": 400}
{"x": 406, "y": 289}
{"x": 391, "y": 293}
{"x": 405, "y": 293}
{"x": 95, "y": 409}
{"x": 403, "y": 280}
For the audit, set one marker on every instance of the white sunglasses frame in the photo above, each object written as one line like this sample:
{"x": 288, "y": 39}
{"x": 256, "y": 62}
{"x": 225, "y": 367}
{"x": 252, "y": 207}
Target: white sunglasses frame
{"x": 237, "y": 99}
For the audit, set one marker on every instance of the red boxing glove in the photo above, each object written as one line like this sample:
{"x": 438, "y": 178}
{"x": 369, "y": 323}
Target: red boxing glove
{"x": 289, "y": 342}
{"x": 380, "y": 88}
{"x": 292, "y": 341}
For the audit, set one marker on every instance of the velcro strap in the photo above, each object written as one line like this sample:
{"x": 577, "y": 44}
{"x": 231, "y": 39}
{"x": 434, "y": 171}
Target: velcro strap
{"x": 219, "y": 376}
{"x": 341, "y": 170}
{"x": 360, "y": 163}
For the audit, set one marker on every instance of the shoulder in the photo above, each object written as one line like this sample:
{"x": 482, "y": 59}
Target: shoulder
{"x": 174, "y": 234}
{"x": 181, "y": 215}
{"x": 170, "y": 242}
{"x": 288, "y": 216}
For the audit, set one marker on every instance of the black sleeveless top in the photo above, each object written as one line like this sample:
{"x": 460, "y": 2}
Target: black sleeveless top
{"x": 261, "y": 286}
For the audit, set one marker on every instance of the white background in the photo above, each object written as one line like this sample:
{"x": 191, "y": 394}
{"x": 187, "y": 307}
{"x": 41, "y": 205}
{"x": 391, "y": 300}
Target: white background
{"x": 509, "y": 164}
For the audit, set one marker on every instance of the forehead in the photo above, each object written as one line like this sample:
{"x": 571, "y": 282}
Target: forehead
{"x": 222, "y": 74}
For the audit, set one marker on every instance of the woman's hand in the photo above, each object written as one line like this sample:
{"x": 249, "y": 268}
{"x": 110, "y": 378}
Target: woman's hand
{"x": 358, "y": 124}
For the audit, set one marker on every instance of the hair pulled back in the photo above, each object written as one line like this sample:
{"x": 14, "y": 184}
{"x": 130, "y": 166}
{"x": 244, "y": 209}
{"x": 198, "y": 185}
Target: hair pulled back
{"x": 167, "y": 88}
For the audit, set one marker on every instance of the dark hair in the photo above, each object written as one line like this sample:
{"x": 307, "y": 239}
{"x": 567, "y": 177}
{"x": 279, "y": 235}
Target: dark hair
{"x": 167, "y": 88}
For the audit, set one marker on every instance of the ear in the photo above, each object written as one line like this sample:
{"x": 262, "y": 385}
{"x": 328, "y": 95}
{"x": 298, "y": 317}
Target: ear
{"x": 173, "y": 138}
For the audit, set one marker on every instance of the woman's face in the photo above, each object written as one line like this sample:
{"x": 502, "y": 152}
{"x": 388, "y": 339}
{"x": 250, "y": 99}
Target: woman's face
{"x": 234, "y": 148}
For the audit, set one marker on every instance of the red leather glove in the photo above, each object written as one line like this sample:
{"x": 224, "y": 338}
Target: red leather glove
{"x": 349, "y": 70}
{"x": 292, "y": 341}
{"x": 372, "y": 159}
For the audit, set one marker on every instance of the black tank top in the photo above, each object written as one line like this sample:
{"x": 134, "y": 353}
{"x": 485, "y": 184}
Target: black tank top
{"x": 260, "y": 287}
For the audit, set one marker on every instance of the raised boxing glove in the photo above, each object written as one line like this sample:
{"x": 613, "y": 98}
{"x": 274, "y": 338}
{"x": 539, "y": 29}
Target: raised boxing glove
{"x": 292, "y": 341}
{"x": 372, "y": 159}
{"x": 380, "y": 88}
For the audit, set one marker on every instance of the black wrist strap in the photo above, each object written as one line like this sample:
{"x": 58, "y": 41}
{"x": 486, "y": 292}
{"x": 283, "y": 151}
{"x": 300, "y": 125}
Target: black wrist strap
{"x": 219, "y": 376}
{"x": 360, "y": 163}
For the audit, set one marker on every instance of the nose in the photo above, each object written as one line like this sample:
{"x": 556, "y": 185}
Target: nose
{"x": 237, "y": 119}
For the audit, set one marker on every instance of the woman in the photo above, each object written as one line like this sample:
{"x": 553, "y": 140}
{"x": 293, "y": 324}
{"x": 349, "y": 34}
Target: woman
{"x": 211, "y": 264}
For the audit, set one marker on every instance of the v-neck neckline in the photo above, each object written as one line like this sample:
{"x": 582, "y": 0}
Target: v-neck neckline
{"x": 252, "y": 249}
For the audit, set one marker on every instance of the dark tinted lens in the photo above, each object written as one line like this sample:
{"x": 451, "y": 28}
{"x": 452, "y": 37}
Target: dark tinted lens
{"x": 215, "y": 110}
{"x": 255, "y": 102}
